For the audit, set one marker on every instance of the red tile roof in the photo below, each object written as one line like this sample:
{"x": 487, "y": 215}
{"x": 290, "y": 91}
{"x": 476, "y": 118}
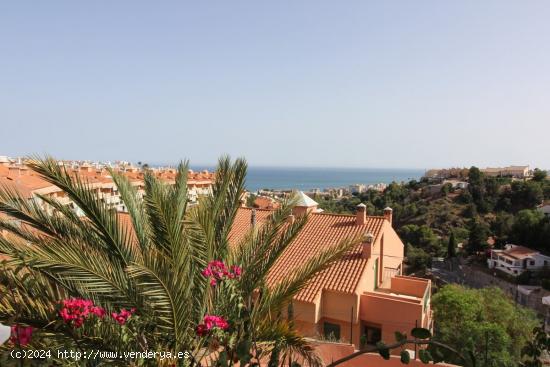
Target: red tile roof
{"x": 519, "y": 252}
{"x": 320, "y": 232}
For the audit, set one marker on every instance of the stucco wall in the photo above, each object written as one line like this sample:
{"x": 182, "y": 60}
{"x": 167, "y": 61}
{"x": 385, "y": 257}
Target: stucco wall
{"x": 339, "y": 306}
{"x": 390, "y": 313}
{"x": 305, "y": 312}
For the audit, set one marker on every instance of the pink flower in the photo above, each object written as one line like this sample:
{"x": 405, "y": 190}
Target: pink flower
{"x": 123, "y": 315}
{"x": 237, "y": 271}
{"x": 213, "y": 321}
{"x": 75, "y": 311}
{"x": 201, "y": 330}
{"x": 98, "y": 311}
{"x": 217, "y": 271}
{"x": 21, "y": 335}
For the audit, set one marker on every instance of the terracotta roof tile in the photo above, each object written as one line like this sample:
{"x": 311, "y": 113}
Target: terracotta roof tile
{"x": 519, "y": 252}
{"x": 320, "y": 232}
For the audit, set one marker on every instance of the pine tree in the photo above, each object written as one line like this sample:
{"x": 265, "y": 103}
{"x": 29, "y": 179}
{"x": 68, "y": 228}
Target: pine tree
{"x": 451, "y": 246}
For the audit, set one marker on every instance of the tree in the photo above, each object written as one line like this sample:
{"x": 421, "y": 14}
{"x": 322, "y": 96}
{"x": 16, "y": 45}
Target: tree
{"x": 166, "y": 270}
{"x": 419, "y": 236}
{"x": 477, "y": 241}
{"x": 446, "y": 189}
{"x": 539, "y": 175}
{"x": 451, "y": 246}
{"x": 417, "y": 258}
{"x": 526, "y": 195}
{"x": 484, "y": 321}
{"x": 475, "y": 176}
{"x": 528, "y": 228}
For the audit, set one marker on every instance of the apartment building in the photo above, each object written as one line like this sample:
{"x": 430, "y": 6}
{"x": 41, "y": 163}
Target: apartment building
{"x": 98, "y": 179}
{"x": 361, "y": 299}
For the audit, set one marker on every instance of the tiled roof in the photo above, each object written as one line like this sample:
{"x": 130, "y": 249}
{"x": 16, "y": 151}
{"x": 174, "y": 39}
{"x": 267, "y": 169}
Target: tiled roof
{"x": 320, "y": 232}
{"x": 519, "y": 252}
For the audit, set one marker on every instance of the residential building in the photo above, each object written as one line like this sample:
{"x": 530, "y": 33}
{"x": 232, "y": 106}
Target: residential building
{"x": 265, "y": 202}
{"x": 357, "y": 188}
{"x": 363, "y": 296}
{"x": 96, "y": 177}
{"x": 510, "y": 171}
{"x": 514, "y": 260}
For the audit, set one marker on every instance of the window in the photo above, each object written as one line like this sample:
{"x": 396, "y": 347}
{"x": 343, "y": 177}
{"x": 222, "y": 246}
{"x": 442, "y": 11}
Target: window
{"x": 331, "y": 331}
{"x": 372, "y": 335}
{"x": 532, "y": 262}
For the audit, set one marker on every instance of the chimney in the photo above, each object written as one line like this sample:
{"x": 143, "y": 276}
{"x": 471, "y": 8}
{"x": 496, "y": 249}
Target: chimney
{"x": 361, "y": 215}
{"x": 253, "y": 218}
{"x": 388, "y": 213}
{"x": 367, "y": 245}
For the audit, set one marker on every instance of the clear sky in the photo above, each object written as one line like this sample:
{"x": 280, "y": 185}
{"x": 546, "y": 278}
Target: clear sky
{"x": 299, "y": 83}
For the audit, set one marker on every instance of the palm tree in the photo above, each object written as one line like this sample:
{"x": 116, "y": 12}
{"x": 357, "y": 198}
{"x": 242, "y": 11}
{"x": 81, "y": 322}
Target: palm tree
{"x": 152, "y": 264}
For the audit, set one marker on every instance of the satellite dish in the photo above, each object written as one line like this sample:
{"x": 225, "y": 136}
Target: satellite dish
{"x": 5, "y": 333}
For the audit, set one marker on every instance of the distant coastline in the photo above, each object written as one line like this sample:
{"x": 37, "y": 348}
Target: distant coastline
{"x": 308, "y": 178}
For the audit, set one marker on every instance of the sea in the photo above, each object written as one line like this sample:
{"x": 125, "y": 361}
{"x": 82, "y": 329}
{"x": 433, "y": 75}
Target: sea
{"x": 307, "y": 178}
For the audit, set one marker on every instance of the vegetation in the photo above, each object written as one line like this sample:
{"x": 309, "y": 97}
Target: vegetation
{"x": 167, "y": 282}
{"x": 485, "y": 322}
{"x": 426, "y": 214}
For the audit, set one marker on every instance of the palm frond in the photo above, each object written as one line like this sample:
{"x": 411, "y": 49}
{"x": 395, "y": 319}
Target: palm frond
{"x": 274, "y": 298}
{"x": 104, "y": 220}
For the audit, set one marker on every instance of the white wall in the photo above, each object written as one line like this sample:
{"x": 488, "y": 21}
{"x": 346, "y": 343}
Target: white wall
{"x": 5, "y": 332}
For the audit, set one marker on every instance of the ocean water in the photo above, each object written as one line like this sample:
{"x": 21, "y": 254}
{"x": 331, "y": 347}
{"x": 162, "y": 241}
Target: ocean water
{"x": 305, "y": 179}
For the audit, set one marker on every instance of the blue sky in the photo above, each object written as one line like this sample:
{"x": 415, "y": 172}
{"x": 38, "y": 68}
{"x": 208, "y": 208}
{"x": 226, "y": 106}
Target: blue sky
{"x": 302, "y": 83}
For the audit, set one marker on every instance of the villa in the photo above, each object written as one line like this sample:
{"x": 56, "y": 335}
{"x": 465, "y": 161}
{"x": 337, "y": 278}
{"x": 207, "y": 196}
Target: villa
{"x": 361, "y": 299}
{"x": 514, "y": 260}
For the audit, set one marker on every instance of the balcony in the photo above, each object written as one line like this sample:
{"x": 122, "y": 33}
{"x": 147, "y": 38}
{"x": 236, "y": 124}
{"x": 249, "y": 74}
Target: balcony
{"x": 400, "y": 306}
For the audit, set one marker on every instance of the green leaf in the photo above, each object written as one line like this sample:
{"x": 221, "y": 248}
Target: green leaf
{"x": 243, "y": 352}
{"x": 405, "y": 357}
{"x": 222, "y": 359}
{"x": 400, "y": 336}
{"x": 425, "y": 356}
{"x": 421, "y": 333}
{"x": 383, "y": 350}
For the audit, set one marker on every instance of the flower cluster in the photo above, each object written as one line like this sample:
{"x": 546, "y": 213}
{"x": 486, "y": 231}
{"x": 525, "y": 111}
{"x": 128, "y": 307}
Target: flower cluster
{"x": 210, "y": 322}
{"x": 21, "y": 335}
{"x": 75, "y": 311}
{"x": 123, "y": 315}
{"x": 217, "y": 271}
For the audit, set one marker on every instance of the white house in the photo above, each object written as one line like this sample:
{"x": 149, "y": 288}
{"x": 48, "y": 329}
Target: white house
{"x": 514, "y": 260}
